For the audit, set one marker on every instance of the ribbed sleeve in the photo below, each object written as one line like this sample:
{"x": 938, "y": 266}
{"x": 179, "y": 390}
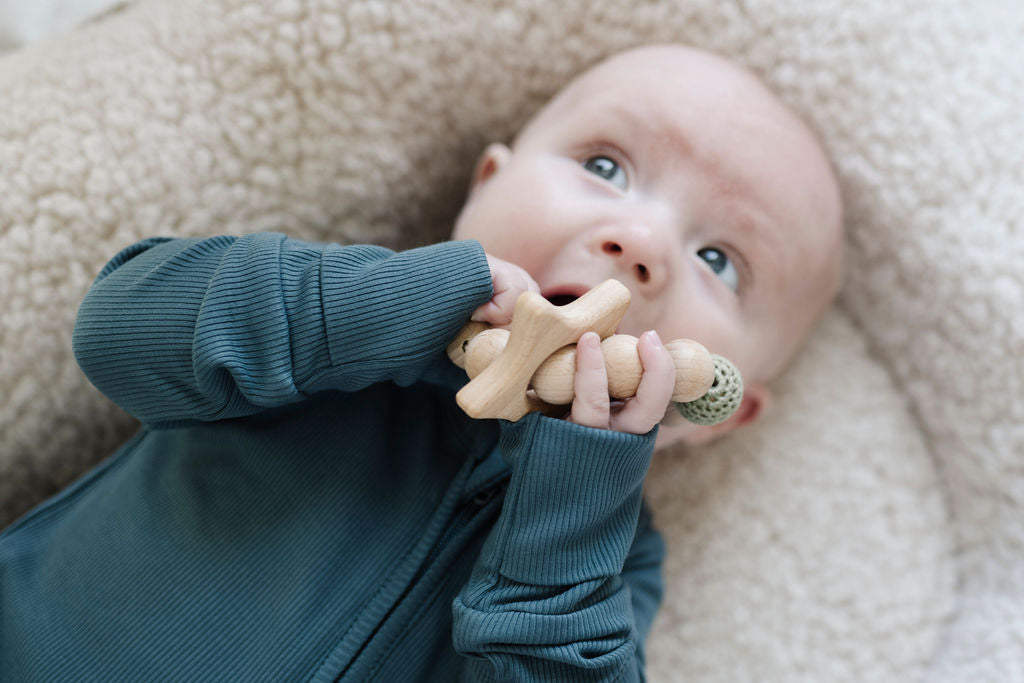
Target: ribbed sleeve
{"x": 547, "y": 599}
{"x": 376, "y": 332}
{"x": 228, "y": 326}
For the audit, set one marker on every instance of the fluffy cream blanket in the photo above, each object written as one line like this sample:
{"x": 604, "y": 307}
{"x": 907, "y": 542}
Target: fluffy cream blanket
{"x": 868, "y": 530}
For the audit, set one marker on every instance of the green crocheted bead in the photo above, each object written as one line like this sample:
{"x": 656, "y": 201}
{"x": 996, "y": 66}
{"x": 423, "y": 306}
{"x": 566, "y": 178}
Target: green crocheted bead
{"x": 722, "y": 399}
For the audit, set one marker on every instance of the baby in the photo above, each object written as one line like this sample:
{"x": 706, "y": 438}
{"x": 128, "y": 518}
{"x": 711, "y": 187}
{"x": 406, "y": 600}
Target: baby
{"x": 307, "y": 502}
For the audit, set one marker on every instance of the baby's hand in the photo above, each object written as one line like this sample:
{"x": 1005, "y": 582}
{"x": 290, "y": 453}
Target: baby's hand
{"x": 591, "y": 406}
{"x": 509, "y": 282}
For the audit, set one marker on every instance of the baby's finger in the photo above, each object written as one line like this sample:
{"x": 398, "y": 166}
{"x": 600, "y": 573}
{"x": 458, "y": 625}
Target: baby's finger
{"x": 498, "y": 311}
{"x": 509, "y": 282}
{"x": 647, "y": 408}
{"x": 495, "y": 312}
{"x": 590, "y": 404}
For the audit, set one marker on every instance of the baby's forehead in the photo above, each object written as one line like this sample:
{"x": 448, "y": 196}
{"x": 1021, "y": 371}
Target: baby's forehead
{"x": 667, "y": 88}
{"x": 661, "y": 67}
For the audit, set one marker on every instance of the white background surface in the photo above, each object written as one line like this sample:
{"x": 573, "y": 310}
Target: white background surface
{"x": 26, "y": 21}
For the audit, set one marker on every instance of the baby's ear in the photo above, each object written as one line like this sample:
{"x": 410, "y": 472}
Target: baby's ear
{"x": 490, "y": 162}
{"x": 756, "y": 400}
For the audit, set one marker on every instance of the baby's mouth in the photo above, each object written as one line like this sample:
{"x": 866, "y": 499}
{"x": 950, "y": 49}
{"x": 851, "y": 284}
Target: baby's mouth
{"x": 564, "y": 294}
{"x": 561, "y": 299}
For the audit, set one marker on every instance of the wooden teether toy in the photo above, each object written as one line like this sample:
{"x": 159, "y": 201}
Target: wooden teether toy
{"x": 531, "y": 366}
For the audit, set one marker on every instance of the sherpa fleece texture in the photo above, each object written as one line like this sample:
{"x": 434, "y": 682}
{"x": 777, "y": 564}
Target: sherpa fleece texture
{"x": 867, "y": 529}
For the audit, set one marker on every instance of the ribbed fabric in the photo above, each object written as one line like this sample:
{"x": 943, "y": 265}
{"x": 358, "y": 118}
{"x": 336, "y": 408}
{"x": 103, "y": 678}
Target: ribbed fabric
{"x": 547, "y": 590}
{"x": 225, "y": 327}
{"x": 307, "y": 501}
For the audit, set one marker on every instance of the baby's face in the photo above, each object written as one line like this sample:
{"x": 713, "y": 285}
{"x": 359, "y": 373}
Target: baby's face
{"x": 681, "y": 176}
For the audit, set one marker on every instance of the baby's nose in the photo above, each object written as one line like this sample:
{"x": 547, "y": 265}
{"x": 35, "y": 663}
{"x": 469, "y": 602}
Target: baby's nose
{"x": 638, "y": 252}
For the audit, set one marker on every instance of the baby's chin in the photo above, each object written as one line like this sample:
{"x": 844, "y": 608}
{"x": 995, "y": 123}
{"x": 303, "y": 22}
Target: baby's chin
{"x": 670, "y": 438}
{"x": 675, "y": 430}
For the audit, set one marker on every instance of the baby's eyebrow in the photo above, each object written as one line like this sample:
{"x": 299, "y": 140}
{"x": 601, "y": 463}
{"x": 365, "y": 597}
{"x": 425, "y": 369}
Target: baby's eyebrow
{"x": 655, "y": 124}
{"x": 760, "y": 241}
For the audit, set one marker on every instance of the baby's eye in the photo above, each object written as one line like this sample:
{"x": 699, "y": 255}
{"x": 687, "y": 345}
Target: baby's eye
{"x": 608, "y": 169}
{"x": 721, "y": 265}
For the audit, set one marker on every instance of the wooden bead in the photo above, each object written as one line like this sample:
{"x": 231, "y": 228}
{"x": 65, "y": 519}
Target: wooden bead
{"x": 482, "y": 349}
{"x": 695, "y": 369}
{"x": 553, "y": 380}
{"x": 457, "y": 348}
{"x": 622, "y": 361}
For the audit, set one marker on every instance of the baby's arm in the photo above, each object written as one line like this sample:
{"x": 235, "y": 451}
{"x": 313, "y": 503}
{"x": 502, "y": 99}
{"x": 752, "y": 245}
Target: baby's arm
{"x": 568, "y": 580}
{"x": 551, "y": 597}
{"x": 228, "y": 326}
